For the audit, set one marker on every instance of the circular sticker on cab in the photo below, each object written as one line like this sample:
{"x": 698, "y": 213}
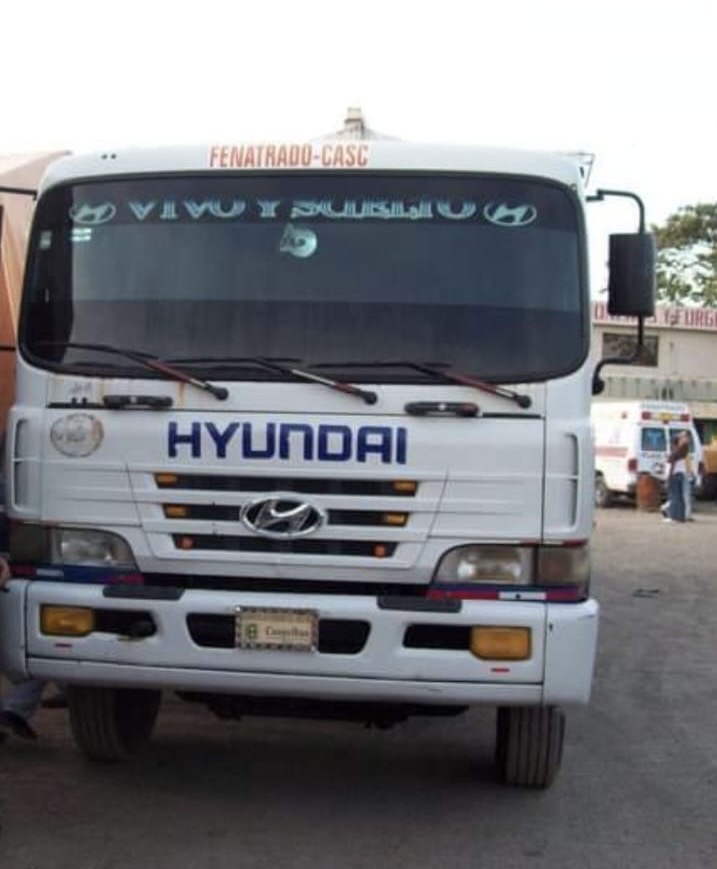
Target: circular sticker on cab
{"x": 76, "y": 435}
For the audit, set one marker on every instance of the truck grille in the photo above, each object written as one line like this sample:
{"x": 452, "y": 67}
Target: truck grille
{"x": 347, "y": 529}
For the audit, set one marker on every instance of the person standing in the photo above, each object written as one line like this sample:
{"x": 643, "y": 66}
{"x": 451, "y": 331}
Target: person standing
{"x": 690, "y": 477}
{"x": 676, "y": 479}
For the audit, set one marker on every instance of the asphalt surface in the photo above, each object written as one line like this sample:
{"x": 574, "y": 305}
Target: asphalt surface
{"x": 638, "y": 787}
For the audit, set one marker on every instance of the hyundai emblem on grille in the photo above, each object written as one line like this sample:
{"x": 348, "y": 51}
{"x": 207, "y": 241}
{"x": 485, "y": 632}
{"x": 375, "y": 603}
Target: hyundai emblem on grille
{"x": 282, "y": 516}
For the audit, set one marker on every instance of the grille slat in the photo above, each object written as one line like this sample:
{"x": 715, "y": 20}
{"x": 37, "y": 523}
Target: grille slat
{"x": 221, "y": 513}
{"x": 308, "y": 486}
{"x": 234, "y": 543}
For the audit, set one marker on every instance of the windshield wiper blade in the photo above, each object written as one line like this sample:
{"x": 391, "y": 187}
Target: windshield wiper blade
{"x": 149, "y": 361}
{"x": 437, "y": 370}
{"x": 231, "y": 361}
{"x": 274, "y": 364}
{"x": 368, "y": 395}
{"x": 520, "y": 398}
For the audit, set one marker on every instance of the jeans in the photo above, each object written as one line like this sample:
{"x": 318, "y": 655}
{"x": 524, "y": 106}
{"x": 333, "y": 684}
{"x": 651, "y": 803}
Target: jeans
{"x": 23, "y": 698}
{"x": 676, "y": 494}
{"x": 687, "y": 486}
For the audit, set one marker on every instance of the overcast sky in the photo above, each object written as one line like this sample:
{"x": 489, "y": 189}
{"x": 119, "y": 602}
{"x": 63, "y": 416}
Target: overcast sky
{"x": 632, "y": 82}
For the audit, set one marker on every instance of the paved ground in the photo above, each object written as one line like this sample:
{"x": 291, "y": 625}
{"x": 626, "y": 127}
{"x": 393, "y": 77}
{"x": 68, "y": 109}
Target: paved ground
{"x": 638, "y": 786}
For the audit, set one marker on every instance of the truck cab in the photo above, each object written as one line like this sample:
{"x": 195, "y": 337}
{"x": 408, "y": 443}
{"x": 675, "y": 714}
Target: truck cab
{"x": 304, "y": 429}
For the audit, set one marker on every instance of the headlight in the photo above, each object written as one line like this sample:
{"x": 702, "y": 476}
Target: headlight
{"x": 81, "y": 547}
{"x": 493, "y": 565}
{"x": 557, "y": 572}
{"x": 563, "y": 565}
{"x": 89, "y": 548}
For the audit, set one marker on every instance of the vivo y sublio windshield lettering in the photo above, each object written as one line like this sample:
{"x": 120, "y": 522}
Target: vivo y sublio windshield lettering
{"x": 497, "y": 213}
{"x": 484, "y": 274}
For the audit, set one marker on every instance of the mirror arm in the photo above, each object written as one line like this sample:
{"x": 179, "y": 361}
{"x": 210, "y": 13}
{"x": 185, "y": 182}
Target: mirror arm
{"x": 600, "y": 195}
{"x": 598, "y": 382}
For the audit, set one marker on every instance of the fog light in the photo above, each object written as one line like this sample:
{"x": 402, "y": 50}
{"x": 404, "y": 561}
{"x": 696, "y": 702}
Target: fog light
{"x": 67, "y": 621}
{"x": 500, "y": 644}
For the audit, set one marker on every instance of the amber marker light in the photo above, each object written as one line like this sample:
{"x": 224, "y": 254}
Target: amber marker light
{"x": 380, "y": 551}
{"x": 175, "y": 511}
{"x": 405, "y": 487}
{"x": 166, "y": 479}
{"x": 396, "y": 519}
{"x": 66, "y": 621}
{"x": 500, "y": 644}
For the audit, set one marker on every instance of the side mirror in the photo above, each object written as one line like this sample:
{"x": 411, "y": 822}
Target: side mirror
{"x": 631, "y": 286}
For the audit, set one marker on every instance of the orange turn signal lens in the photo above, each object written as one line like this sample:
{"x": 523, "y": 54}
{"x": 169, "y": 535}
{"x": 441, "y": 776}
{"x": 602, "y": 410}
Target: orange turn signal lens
{"x": 166, "y": 479}
{"x": 405, "y": 487}
{"x": 500, "y": 644}
{"x": 175, "y": 511}
{"x": 66, "y": 621}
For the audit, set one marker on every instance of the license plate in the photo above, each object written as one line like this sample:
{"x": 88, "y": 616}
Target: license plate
{"x": 276, "y": 629}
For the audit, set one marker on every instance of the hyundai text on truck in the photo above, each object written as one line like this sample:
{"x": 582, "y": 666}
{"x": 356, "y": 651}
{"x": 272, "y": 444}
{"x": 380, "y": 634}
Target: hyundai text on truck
{"x": 304, "y": 429}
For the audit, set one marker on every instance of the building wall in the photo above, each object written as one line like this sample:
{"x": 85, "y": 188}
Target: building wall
{"x": 683, "y": 368}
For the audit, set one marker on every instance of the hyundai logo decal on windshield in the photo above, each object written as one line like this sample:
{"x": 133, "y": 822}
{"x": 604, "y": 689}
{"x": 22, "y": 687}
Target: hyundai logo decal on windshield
{"x": 501, "y": 214}
{"x": 298, "y": 242}
{"x": 92, "y": 215}
{"x": 282, "y": 516}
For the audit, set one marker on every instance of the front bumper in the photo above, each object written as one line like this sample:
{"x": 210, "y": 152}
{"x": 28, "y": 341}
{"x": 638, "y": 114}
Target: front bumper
{"x": 384, "y": 668}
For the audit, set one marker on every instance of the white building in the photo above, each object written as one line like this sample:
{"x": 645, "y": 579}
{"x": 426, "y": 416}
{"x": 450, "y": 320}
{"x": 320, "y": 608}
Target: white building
{"x": 679, "y": 362}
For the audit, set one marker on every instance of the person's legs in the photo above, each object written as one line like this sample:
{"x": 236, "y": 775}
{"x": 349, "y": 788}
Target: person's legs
{"x": 687, "y": 494}
{"x": 22, "y": 700}
{"x": 677, "y": 498}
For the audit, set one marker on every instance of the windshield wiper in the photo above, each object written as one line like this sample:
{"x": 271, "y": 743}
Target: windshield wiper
{"x": 149, "y": 361}
{"x": 439, "y": 371}
{"x": 271, "y": 364}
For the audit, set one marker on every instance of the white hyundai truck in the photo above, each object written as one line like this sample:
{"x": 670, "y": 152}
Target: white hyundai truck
{"x": 304, "y": 429}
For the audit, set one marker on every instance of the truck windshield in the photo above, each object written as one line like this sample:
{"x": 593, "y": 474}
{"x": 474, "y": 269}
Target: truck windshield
{"x": 484, "y": 273}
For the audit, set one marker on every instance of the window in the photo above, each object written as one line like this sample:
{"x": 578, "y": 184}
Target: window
{"x": 347, "y": 272}
{"x": 654, "y": 440}
{"x": 620, "y": 344}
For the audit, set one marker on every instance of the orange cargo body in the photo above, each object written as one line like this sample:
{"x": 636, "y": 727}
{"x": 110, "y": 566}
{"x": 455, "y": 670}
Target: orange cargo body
{"x": 24, "y": 171}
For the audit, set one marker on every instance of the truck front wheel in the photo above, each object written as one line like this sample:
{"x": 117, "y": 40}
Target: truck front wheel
{"x": 110, "y": 723}
{"x": 529, "y": 744}
{"x": 603, "y": 496}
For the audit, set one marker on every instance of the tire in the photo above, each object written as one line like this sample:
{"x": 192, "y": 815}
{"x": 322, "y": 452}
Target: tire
{"x": 708, "y": 490}
{"x": 529, "y": 744}
{"x": 108, "y": 724}
{"x": 603, "y": 496}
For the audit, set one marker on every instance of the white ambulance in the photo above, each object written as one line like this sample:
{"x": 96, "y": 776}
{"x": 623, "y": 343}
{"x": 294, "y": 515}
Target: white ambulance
{"x": 633, "y": 438}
